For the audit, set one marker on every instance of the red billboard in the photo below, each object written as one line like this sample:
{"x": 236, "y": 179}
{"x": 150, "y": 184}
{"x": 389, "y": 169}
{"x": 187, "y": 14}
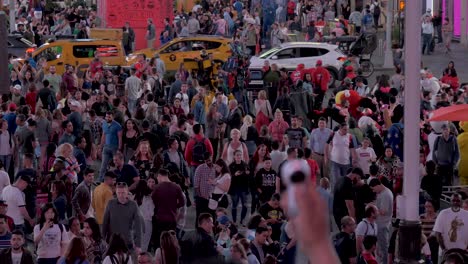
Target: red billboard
{"x": 115, "y": 13}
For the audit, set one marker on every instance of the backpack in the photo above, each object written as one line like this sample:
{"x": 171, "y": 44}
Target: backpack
{"x": 377, "y": 11}
{"x": 361, "y": 260}
{"x": 199, "y": 150}
{"x": 338, "y": 243}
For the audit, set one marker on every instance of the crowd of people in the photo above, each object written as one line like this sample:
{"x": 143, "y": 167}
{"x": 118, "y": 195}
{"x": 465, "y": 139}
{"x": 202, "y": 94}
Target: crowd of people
{"x": 109, "y": 168}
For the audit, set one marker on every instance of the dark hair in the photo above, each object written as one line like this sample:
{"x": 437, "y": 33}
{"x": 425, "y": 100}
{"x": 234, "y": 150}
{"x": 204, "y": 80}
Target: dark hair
{"x": 197, "y": 128}
{"x": 163, "y": 172}
{"x": 260, "y": 230}
{"x": 307, "y": 153}
{"x": 88, "y": 170}
{"x": 171, "y": 140}
{"x": 203, "y": 217}
{"x": 169, "y": 247}
{"x": 78, "y": 140}
{"x": 374, "y": 182}
{"x": 18, "y": 232}
{"x": 369, "y": 210}
{"x": 65, "y": 124}
{"x": 275, "y": 145}
{"x": 358, "y": 171}
{"x": 29, "y": 156}
{"x": 369, "y": 242}
{"x": 76, "y": 250}
{"x": 141, "y": 190}
{"x": 59, "y": 187}
{"x": 275, "y": 197}
{"x": 94, "y": 226}
{"x": 223, "y": 165}
{"x": 300, "y": 153}
{"x": 254, "y": 221}
{"x": 2, "y": 216}
{"x": 46, "y": 208}
{"x": 117, "y": 245}
{"x": 373, "y": 169}
{"x": 290, "y": 150}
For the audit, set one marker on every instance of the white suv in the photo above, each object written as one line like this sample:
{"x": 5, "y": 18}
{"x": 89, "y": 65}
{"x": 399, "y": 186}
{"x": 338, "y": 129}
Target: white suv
{"x": 291, "y": 54}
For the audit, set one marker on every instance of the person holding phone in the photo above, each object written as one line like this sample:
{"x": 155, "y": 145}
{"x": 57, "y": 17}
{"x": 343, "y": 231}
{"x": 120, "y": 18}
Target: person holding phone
{"x": 50, "y": 237}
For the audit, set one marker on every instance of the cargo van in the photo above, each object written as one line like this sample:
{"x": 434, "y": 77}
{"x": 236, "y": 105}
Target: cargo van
{"x": 79, "y": 53}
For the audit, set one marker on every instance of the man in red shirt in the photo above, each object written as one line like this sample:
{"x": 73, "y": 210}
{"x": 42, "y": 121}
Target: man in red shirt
{"x": 193, "y": 152}
{"x": 320, "y": 78}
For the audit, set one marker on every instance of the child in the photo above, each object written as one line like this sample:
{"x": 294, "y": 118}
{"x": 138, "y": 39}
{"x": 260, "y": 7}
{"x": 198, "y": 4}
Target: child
{"x": 267, "y": 181}
{"x": 366, "y": 155}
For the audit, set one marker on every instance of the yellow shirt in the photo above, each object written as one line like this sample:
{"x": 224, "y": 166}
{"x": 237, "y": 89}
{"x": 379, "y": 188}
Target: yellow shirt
{"x": 101, "y": 196}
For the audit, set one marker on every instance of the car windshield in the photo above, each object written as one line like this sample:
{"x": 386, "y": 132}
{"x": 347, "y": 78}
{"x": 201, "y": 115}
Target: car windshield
{"x": 268, "y": 53}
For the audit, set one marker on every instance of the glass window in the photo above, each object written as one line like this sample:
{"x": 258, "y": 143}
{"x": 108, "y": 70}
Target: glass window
{"x": 89, "y": 51}
{"x": 287, "y": 53}
{"x": 309, "y": 52}
{"x": 178, "y": 46}
{"x": 50, "y": 54}
{"x": 323, "y": 51}
{"x": 267, "y": 53}
{"x": 212, "y": 45}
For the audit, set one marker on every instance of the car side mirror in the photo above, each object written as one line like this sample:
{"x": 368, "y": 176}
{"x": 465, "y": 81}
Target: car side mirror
{"x": 275, "y": 57}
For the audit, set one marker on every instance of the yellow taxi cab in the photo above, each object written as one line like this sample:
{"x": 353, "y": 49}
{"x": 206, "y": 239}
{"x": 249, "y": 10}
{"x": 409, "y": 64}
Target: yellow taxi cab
{"x": 177, "y": 50}
{"x": 79, "y": 53}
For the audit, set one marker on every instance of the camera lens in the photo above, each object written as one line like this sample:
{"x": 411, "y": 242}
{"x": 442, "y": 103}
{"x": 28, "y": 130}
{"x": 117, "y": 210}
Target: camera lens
{"x": 298, "y": 177}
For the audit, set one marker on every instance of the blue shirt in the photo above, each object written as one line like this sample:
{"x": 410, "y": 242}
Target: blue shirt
{"x": 126, "y": 174}
{"x": 11, "y": 120}
{"x": 318, "y": 139}
{"x": 111, "y": 133}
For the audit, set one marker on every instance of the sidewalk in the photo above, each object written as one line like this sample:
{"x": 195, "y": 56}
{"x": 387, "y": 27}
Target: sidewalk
{"x": 436, "y": 62}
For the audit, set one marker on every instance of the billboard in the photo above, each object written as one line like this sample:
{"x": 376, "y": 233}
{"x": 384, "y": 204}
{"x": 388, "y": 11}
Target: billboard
{"x": 116, "y": 12}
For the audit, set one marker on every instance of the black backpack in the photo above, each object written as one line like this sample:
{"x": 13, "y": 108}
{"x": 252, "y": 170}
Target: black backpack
{"x": 377, "y": 11}
{"x": 199, "y": 150}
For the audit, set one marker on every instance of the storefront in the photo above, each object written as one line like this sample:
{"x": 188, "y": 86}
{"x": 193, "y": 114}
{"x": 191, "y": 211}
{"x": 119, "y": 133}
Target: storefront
{"x": 453, "y": 10}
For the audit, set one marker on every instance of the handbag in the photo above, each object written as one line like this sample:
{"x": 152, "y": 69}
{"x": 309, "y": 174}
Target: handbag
{"x": 213, "y": 204}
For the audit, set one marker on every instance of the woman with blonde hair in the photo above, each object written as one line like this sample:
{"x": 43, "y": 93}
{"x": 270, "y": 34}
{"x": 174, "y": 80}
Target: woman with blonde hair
{"x": 263, "y": 110}
{"x": 238, "y": 255}
{"x": 278, "y": 126}
{"x": 169, "y": 251}
{"x": 143, "y": 159}
{"x": 233, "y": 145}
{"x": 57, "y": 119}
{"x": 249, "y": 135}
{"x": 72, "y": 168}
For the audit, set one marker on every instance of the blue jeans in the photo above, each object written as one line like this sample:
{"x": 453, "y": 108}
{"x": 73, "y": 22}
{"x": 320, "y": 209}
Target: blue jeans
{"x": 108, "y": 153}
{"x": 337, "y": 172}
{"x": 6, "y": 159}
{"x": 132, "y": 105}
{"x": 427, "y": 39}
{"x": 242, "y": 196}
{"x": 383, "y": 237}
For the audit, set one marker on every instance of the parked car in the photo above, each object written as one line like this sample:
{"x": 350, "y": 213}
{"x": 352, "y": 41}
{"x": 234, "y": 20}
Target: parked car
{"x": 18, "y": 46}
{"x": 291, "y": 54}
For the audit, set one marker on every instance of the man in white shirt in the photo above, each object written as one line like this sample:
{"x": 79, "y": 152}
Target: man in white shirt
{"x": 451, "y": 226}
{"x": 4, "y": 178}
{"x": 340, "y": 151}
{"x": 367, "y": 227}
{"x": 384, "y": 203}
{"x": 13, "y": 196}
{"x": 427, "y": 34}
{"x": 184, "y": 98}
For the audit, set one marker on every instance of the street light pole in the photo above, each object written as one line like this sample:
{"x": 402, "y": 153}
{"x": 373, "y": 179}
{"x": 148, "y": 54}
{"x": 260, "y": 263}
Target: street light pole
{"x": 12, "y": 16}
{"x": 409, "y": 235}
{"x": 388, "y": 59}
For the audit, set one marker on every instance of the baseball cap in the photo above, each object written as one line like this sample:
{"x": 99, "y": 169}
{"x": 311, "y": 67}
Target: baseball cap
{"x": 12, "y": 107}
{"x": 17, "y": 87}
{"x": 223, "y": 220}
{"x": 319, "y": 63}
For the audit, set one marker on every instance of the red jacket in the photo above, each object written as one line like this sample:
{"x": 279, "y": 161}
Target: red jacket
{"x": 321, "y": 78}
{"x": 191, "y": 144}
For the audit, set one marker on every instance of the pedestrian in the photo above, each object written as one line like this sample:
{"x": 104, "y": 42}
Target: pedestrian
{"x": 150, "y": 33}
{"x": 82, "y": 198}
{"x": 94, "y": 243}
{"x": 76, "y": 253}
{"x": 120, "y": 214}
{"x": 345, "y": 243}
{"x": 10, "y": 255}
{"x": 102, "y": 194}
{"x": 169, "y": 250}
{"x": 111, "y": 141}
{"x": 118, "y": 253}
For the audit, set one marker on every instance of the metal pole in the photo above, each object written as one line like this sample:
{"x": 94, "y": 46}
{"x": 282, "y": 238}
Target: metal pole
{"x": 12, "y": 16}
{"x": 4, "y": 74}
{"x": 388, "y": 59}
{"x": 463, "y": 34}
{"x": 409, "y": 236}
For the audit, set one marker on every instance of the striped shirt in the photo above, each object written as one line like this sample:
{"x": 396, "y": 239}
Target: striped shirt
{"x": 5, "y": 241}
{"x": 427, "y": 224}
